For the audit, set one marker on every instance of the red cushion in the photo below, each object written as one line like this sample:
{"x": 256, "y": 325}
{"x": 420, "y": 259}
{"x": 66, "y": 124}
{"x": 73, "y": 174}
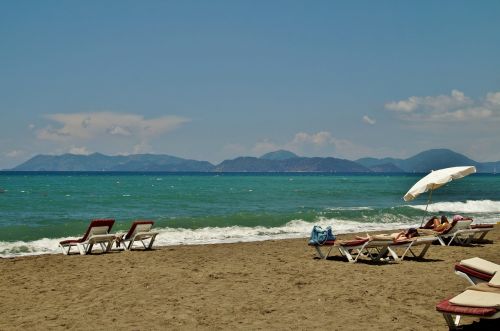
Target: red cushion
{"x": 354, "y": 242}
{"x": 482, "y": 226}
{"x": 446, "y": 307}
{"x": 473, "y": 272}
{"x": 326, "y": 243}
{"x": 104, "y": 222}
{"x": 69, "y": 241}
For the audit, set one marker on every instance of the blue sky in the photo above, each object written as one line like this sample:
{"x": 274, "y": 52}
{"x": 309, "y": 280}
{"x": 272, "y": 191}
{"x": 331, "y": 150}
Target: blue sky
{"x": 212, "y": 80}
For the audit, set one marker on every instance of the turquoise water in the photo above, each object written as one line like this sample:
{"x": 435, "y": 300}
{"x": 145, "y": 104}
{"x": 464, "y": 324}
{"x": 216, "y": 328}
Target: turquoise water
{"x": 38, "y": 209}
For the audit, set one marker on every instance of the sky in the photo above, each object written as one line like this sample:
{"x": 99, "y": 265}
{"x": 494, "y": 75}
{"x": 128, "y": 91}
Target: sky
{"x": 214, "y": 80}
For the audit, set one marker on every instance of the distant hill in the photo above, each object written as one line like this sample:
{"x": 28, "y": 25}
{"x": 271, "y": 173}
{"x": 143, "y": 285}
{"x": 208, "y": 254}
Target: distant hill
{"x": 295, "y": 164}
{"x": 428, "y": 160}
{"x": 279, "y": 161}
{"x": 279, "y": 155}
{"x": 100, "y": 162}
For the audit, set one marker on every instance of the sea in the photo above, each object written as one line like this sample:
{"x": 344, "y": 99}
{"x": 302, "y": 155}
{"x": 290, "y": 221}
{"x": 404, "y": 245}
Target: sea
{"x": 39, "y": 209}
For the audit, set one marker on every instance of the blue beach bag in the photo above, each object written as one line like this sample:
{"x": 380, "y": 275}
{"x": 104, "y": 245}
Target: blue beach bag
{"x": 320, "y": 236}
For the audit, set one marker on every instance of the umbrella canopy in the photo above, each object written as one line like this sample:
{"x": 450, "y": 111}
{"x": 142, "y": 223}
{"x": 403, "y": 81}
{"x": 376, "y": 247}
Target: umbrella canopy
{"x": 437, "y": 179}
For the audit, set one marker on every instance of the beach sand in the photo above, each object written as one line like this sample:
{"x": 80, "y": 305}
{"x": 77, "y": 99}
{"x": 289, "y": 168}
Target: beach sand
{"x": 260, "y": 285}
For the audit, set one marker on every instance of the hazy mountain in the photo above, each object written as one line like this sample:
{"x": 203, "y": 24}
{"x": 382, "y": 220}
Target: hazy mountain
{"x": 425, "y": 161}
{"x": 279, "y": 161}
{"x": 295, "y": 164}
{"x": 279, "y": 155}
{"x": 100, "y": 162}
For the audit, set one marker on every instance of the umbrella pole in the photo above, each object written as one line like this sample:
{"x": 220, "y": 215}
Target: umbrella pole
{"x": 427, "y": 206}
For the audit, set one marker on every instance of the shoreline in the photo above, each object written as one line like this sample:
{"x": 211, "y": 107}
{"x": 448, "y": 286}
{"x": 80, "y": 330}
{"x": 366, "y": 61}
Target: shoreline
{"x": 50, "y": 244}
{"x": 273, "y": 284}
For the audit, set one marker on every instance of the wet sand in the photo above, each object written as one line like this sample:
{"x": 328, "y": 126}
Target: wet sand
{"x": 260, "y": 285}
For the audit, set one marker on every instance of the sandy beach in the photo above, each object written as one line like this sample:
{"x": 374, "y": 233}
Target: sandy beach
{"x": 259, "y": 285}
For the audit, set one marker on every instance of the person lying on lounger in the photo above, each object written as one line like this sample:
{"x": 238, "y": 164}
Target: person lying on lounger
{"x": 436, "y": 224}
{"x": 395, "y": 237}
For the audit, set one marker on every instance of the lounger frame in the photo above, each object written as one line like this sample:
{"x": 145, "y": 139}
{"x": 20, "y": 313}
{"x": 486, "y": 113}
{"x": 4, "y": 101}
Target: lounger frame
{"x": 453, "y": 316}
{"x": 97, "y": 234}
{"x": 140, "y": 231}
{"x": 408, "y": 245}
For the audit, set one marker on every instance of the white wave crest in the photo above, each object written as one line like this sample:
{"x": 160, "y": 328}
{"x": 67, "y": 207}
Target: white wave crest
{"x": 349, "y": 208}
{"x": 469, "y": 206}
{"x": 213, "y": 235}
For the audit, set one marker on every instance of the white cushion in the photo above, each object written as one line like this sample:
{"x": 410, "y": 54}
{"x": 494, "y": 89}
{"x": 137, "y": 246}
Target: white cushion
{"x": 481, "y": 265}
{"x": 471, "y": 298}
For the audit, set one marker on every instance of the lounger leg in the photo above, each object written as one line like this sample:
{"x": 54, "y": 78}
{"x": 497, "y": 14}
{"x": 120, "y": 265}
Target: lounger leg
{"x": 348, "y": 255}
{"x": 452, "y": 324}
{"x": 424, "y": 251}
{"x": 464, "y": 275}
{"x": 451, "y": 240}
{"x": 81, "y": 248}
{"x": 151, "y": 241}
{"x": 395, "y": 255}
{"x": 65, "y": 252}
{"x": 441, "y": 241}
{"x": 320, "y": 253}
{"x": 481, "y": 237}
{"x": 109, "y": 246}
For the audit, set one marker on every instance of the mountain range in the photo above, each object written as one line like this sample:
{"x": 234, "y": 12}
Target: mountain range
{"x": 279, "y": 161}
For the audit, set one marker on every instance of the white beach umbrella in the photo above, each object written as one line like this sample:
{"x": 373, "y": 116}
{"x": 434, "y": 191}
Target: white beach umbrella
{"x": 435, "y": 180}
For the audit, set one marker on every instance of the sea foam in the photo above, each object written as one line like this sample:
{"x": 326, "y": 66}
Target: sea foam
{"x": 469, "y": 206}
{"x": 214, "y": 235}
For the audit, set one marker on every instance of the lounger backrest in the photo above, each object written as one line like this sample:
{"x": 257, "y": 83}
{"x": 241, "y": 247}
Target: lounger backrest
{"x": 96, "y": 230}
{"x": 458, "y": 225}
{"x": 139, "y": 226}
{"x": 98, "y": 227}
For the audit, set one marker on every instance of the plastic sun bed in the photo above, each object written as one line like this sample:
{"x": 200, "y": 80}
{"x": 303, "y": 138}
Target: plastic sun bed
{"x": 408, "y": 244}
{"x": 476, "y": 270}
{"x": 353, "y": 249}
{"x": 139, "y": 231}
{"x": 463, "y": 232}
{"x": 376, "y": 248}
{"x": 97, "y": 233}
{"x": 484, "y": 305}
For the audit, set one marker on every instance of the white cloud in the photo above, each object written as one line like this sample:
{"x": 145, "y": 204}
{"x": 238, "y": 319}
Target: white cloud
{"x": 88, "y": 126}
{"x": 455, "y": 107}
{"x": 31, "y": 126}
{"x": 403, "y": 106}
{"x": 493, "y": 99}
{"x": 79, "y": 150}
{"x": 369, "y": 120}
{"x": 264, "y": 146}
{"x": 117, "y": 130}
{"x": 321, "y": 138}
{"x": 142, "y": 148}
